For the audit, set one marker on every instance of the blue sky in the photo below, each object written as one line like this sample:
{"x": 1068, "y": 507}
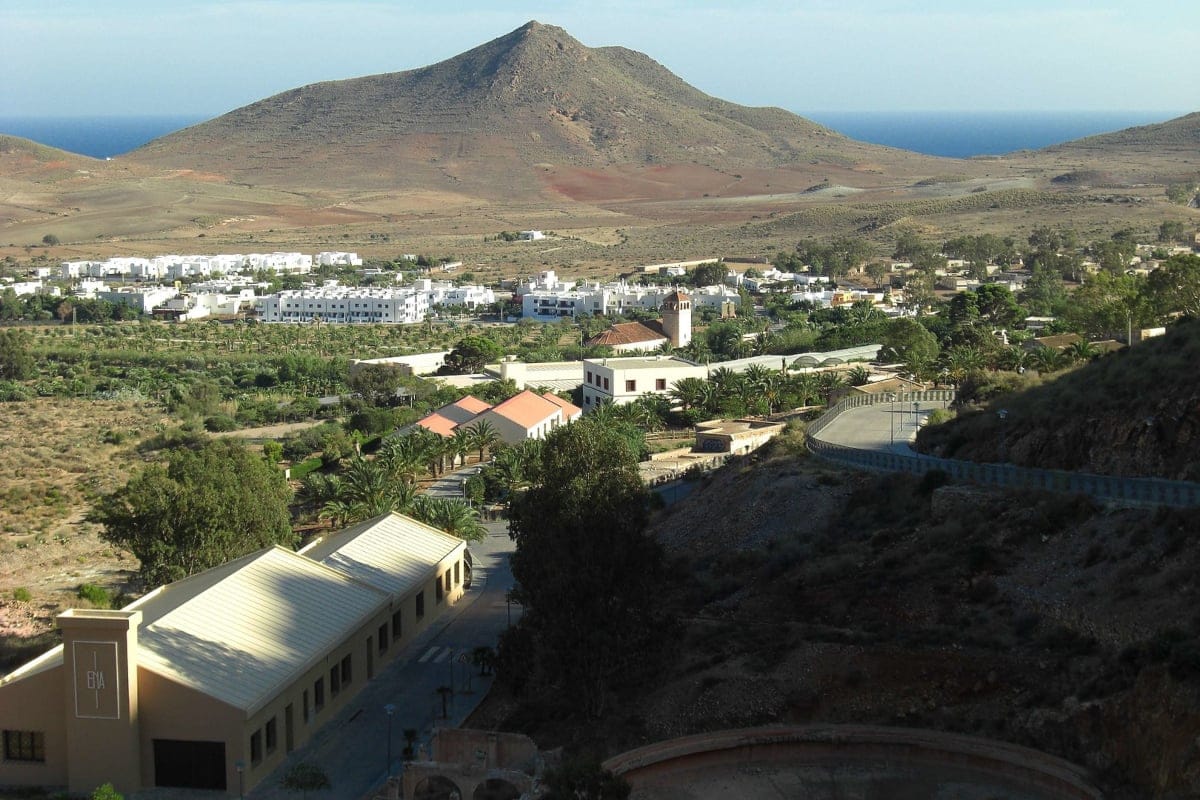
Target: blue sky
{"x": 124, "y": 57}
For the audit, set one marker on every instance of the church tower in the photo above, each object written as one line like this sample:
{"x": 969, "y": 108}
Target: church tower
{"x": 677, "y": 318}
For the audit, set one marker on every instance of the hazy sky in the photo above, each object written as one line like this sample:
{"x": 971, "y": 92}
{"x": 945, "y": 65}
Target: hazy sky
{"x": 86, "y": 57}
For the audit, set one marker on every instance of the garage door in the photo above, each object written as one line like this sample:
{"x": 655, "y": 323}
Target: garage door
{"x": 192, "y": 765}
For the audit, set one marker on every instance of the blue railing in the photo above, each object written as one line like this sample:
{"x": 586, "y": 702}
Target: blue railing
{"x": 1106, "y": 488}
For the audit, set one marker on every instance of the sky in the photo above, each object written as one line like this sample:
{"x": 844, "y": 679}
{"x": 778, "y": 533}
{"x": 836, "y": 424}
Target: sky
{"x": 206, "y": 57}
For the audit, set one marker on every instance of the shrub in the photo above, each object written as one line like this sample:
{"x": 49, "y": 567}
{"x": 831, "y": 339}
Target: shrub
{"x": 219, "y": 423}
{"x": 22, "y": 595}
{"x": 98, "y": 596}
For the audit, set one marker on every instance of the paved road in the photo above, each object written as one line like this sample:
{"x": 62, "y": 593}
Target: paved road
{"x": 884, "y": 427}
{"x": 352, "y": 748}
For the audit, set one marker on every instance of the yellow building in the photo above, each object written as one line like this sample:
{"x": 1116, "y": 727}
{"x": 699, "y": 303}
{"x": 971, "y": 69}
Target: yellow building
{"x": 209, "y": 682}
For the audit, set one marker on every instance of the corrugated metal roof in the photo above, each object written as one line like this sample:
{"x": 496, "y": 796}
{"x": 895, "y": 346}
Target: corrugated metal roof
{"x": 392, "y": 552}
{"x": 255, "y": 628}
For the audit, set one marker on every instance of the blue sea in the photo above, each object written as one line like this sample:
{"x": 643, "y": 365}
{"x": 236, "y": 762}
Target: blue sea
{"x": 962, "y": 134}
{"x": 937, "y": 133}
{"x": 98, "y": 137}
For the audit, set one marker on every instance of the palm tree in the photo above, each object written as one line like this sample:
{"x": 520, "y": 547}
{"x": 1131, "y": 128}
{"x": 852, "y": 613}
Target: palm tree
{"x": 403, "y": 457}
{"x": 1081, "y": 351}
{"x": 804, "y": 387}
{"x": 460, "y": 443}
{"x": 484, "y": 436}
{"x": 1046, "y": 360}
{"x": 452, "y": 516}
{"x": 691, "y": 393}
{"x": 726, "y": 382}
{"x": 858, "y": 375}
{"x": 961, "y": 360}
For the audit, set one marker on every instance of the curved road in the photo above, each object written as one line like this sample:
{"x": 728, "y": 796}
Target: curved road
{"x": 885, "y": 427}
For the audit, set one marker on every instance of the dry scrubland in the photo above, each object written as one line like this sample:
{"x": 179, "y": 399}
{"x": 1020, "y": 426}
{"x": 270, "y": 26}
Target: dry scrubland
{"x": 56, "y": 453}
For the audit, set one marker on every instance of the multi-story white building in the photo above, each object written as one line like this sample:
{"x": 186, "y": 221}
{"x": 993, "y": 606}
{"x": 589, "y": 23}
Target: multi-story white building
{"x": 610, "y": 299}
{"x": 335, "y": 259}
{"x": 344, "y": 304}
{"x": 623, "y": 380}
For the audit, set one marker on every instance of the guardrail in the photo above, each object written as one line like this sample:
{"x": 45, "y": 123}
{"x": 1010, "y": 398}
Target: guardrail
{"x": 1125, "y": 491}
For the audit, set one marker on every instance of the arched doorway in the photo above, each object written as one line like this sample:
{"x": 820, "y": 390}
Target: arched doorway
{"x": 437, "y": 787}
{"x": 496, "y": 789}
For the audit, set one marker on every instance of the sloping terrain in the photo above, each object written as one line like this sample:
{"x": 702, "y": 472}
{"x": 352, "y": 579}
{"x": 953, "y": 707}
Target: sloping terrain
{"x": 1133, "y": 412}
{"x": 808, "y": 594}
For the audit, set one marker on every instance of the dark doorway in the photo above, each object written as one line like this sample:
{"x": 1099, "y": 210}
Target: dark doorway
{"x": 289, "y": 739}
{"x": 370, "y": 658}
{"x": 189, "y": 765}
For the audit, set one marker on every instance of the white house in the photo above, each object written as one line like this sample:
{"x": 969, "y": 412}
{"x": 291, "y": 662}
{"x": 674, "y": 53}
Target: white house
{"x": 343, "y": 304}
{"x": 143, "y": 299}
{"x": 623, "y": 380}
{"x": 530, "y": 236}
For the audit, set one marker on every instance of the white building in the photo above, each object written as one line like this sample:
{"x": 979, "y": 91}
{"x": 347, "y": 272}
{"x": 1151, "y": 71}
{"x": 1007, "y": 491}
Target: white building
{"x": 335, "y": 259}
{"x": 344, "y": 304}
{"x": 547, "y": 301}
{"x": 623, "y": 380}
{"x": 530, "y": 236}
{"x": 143, "y": 299}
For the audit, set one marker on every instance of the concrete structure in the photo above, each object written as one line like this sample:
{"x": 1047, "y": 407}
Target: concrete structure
{"x": 415, "y": 364}
{"x": 556, "y": 376}
{"x": 623, "y": 380}
{"x": 846, "y": 761}
{"x": 475, "y": 763}
{"x": 735, "y": 436}
{"x": 208, "y": 682}
{"x": 343, "y": 304}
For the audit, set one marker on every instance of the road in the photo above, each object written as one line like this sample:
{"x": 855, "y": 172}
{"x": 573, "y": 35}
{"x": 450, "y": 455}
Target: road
{"x": 886, "y": 427}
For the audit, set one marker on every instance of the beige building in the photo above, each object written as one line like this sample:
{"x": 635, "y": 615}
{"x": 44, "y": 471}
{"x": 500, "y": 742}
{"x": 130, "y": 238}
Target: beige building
{"x": 209, "y": 682}
{"x": 623, "y": 380}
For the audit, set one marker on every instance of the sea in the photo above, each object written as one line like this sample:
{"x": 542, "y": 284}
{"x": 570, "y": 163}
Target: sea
{"x": 957, "y": 134}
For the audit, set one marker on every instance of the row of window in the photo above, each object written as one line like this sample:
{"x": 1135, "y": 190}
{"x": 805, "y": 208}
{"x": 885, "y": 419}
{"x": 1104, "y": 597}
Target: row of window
{"x": 660, "y": 384}
{"x": 340, "y": 675}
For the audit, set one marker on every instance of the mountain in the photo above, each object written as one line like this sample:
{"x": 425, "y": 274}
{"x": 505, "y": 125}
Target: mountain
{"x": 498, "y": 120}
{"x": 1181, "y": 132}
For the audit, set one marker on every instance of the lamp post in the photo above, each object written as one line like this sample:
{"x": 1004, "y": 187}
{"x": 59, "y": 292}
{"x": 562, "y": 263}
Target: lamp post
{"x": 240, "y": 766}
{"x": 389, "y": 709}
{"x": 892, "y": 418}
{"x": 1003, "y": 415}
{"x": 916, "y": 411}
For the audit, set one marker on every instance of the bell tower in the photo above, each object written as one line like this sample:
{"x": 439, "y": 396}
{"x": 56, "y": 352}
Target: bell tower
{"x": 677, "y": 318}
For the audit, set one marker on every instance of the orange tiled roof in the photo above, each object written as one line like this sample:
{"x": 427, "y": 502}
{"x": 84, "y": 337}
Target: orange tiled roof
{"x": 627, "y": 333}
{"x": 438, "y": 424}
{"x": 527, "y": 409}
{"x": 473, "y": 404}
{"x": 463, "y": 410}
{"x": 570, "y": 410}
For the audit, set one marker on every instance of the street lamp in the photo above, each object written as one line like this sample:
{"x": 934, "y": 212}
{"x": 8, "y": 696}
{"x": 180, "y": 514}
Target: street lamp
{"x": 390, "y": 709}
{"x": 916, "y": 411}
{"x": 892, "y": 418}
{"x": 1003, "y": 415}
{"x": 240, "y": 766}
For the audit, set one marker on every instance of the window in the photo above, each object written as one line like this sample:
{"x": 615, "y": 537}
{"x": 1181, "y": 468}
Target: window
{"x": 660, "y": 384}
{"x": 272, "y": 735}
{"x": 437, "y": 589}
{"x": 420, "y": 604}
{"x": 606, "y": 383}
{"x": 457, "y": 579}
{"x": 631, "y": 386}
{"x": 24, "y": 746}
{"x": 398, "y": 624}
{"x": 589, "y": 377}
{"x": 256, "y": 748}
{"x": 346, "y": 676}
{"x": 304, "y": 706}
{"x": 383, "y": 638}
{"x": 319, "y": 694}
{"x": 335, "y": 681}
{"x": 448, "y": 585}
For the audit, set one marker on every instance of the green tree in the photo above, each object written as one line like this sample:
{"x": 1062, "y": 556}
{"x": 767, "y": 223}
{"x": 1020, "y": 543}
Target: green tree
{"x": 581, "y": 779}
{"x": 377, "y": 384}
{"x": 588, "y": 576}
{"x": 469, "y": 355}
{"x": 16, "y": 363}
{"x": 207, "y": 506}
{"x": 1172, "y": 230}
{"x": 906, "y": 340}
{"x": 305, "y": 777}
{"x": 50, "y": 240}
{"x": 710, "y": 273}
{"x": 1175, "y": 285}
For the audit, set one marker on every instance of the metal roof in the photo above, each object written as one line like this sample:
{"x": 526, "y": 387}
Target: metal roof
{"x": 256, "y": 627}
{"x": 392, "y": 552}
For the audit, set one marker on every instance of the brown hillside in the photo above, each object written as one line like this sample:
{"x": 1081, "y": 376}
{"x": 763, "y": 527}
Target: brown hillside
{"x": 492, "y": 122}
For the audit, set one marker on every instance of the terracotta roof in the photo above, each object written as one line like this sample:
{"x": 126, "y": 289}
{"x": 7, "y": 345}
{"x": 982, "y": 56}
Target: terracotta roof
{"x": 570, "y": 410}
{"x": 527, "y": 409}
{"x": 438, "y": 424}
{"x": 627, "y": 333}
{"x": 677, "y": 296}
{"x": 463, "y": 410}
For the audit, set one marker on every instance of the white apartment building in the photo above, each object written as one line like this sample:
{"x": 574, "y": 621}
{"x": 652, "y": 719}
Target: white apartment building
{"x": 551, "y": 303}
{"x": 176, "y": 267}
{"x": 336, "y": 259}
{"x": 344, "y": 304}
{"x": 623, "y": 380}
